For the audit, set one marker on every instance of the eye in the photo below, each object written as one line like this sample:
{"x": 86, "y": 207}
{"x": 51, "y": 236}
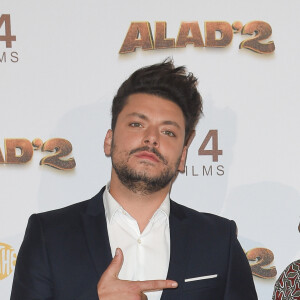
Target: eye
{"x": 135, "y": 124}
{"x": 169, "y": 133}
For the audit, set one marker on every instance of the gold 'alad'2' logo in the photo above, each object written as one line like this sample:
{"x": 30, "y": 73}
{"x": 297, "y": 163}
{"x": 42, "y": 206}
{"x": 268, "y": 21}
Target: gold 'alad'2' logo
{"x": 139, "y": 35}
{"x": 60, "y": 148}
{"x": 8, "y": 259}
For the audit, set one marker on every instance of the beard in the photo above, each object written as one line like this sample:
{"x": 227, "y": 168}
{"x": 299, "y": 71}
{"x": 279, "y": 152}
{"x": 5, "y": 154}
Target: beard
{"x": 141, "y": 182}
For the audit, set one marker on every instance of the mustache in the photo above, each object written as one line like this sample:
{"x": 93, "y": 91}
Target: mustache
{"x": 153, "y": 150}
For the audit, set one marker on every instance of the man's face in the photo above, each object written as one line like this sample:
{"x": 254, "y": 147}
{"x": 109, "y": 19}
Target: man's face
{"x": 147, "y": 146}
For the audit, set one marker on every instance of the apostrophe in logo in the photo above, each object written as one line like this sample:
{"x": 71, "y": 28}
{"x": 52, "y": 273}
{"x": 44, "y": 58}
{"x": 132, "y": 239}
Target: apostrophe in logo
{"x": 7, "y": 39}
{"x": 8, "y": 259}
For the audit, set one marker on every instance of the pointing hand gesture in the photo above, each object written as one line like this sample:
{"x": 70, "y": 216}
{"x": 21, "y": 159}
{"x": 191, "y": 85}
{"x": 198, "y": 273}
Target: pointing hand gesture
{"x": 110, "y": 287}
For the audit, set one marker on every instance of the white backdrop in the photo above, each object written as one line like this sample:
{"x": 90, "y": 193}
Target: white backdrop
{"x": 60, "y": 75}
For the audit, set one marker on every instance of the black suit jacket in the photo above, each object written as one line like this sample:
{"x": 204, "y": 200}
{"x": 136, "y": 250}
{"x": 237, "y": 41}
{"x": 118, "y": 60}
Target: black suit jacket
{"x": 65, "y": 252}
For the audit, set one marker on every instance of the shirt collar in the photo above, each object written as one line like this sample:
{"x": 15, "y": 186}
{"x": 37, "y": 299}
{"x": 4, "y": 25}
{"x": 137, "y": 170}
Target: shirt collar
{"x": 111, "y": 205}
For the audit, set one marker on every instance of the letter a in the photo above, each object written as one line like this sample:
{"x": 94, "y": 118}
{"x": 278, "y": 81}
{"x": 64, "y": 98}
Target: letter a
{"x": 138, "y": 36}
{"x": 189, "y": 33}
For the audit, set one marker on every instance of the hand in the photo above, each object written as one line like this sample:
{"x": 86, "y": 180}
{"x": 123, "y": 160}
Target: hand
{"x": 110, "y": 287}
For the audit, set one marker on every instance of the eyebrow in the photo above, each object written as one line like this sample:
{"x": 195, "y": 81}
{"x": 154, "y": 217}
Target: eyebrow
{"x": 144, "y": 117}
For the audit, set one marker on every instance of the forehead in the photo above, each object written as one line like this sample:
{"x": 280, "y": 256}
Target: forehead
{"x": 153, "y": 106}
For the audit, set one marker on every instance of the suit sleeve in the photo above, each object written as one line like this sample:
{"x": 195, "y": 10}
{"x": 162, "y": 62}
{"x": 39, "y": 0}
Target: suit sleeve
{"x": 32, "y": 278}
{"x": 239, "y": 283}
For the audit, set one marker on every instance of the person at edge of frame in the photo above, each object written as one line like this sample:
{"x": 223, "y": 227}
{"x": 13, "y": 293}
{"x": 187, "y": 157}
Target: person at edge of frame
{"x": 125, "y": 241}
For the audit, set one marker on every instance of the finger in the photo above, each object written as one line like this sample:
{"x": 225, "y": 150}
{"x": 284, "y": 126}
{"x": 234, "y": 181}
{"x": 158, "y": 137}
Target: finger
{"x": 144, "y": 297}
{"x": 156, "y": 285}
{"x": 116, "y": 264}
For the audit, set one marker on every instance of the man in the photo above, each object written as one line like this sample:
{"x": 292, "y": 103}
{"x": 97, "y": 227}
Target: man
{"x": 67, "y": 253}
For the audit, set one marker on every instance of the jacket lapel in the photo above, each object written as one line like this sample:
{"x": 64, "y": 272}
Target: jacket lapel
{"x": 179, "y": 252}
{"x": 94, "y": 223}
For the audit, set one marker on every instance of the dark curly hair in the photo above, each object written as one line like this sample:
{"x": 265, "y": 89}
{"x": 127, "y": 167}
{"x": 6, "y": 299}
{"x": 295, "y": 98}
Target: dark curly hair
{"x": 166, "y": 81}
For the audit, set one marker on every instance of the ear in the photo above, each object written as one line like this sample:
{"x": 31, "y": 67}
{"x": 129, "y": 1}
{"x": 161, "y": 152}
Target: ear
{"x": 181, "y": 167}
{"x": 108, "y": 142}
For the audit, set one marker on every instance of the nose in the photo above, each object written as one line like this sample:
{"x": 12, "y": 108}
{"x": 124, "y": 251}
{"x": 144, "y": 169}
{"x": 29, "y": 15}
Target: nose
{"x": 151, "y": 137}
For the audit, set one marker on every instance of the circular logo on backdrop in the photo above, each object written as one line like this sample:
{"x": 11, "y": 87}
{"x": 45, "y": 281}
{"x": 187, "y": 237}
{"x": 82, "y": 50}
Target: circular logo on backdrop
{"x": 8, "y": 259}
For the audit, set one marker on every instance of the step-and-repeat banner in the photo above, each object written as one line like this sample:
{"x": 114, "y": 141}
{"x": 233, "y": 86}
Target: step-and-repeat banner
{"x": 61, "y": 63}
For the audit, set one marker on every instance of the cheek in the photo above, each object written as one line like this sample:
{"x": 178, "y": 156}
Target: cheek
{"x": 177, "y": 156}
{"x": 121, "y": 150}
{"x": 125, "y": 139}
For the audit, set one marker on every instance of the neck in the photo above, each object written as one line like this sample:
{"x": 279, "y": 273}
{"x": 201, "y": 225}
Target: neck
{"x": 140, "y": 206}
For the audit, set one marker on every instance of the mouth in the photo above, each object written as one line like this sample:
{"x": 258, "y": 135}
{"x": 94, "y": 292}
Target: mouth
{"x": 147, "y": 155}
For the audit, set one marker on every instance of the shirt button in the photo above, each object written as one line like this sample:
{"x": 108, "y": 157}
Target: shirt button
{"x": 139, "y": 241}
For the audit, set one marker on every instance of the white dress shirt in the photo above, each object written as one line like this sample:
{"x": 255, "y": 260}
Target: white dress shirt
{"x": 146, "y": 254}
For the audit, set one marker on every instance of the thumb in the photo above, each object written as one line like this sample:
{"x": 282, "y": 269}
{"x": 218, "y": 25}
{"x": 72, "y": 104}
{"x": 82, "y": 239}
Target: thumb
{"x": 116, "y": 264}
